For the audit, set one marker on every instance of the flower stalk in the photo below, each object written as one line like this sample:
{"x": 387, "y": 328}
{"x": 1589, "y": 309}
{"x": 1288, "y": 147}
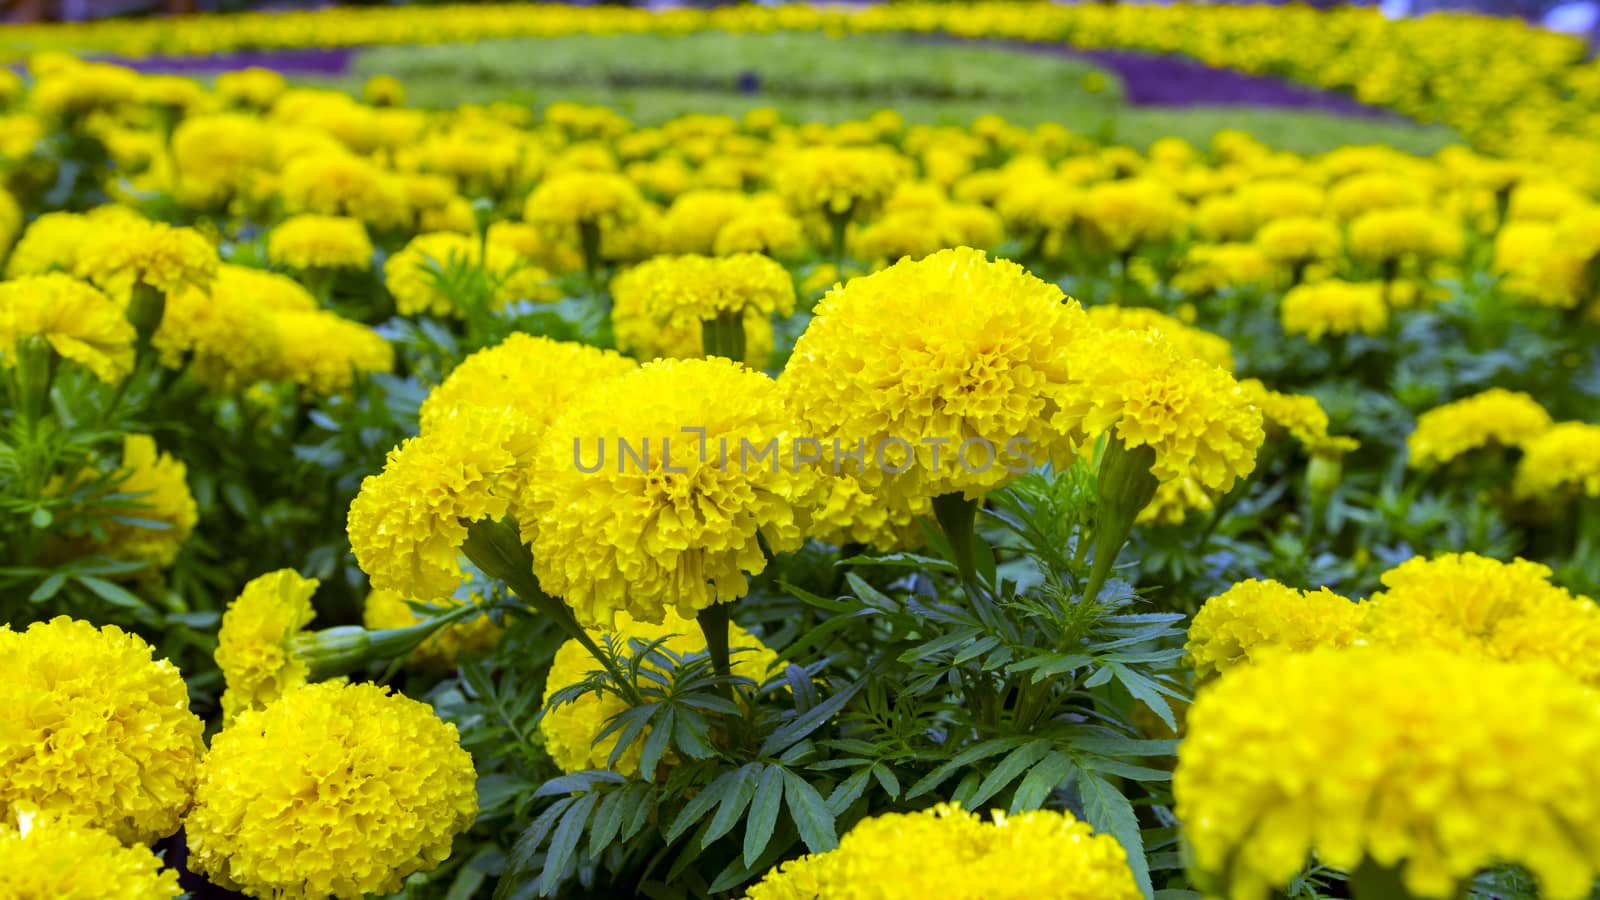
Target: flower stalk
{"x": 724, "y": 336}
{"x": 1125, "y": 487}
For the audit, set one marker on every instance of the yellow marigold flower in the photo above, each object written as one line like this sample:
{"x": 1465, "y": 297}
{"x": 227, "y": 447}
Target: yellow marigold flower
{"x": 1299, "y": 242}
{"x": 62, "y": 859}
{"x": 1543, "y": 201}
{"x": 1365, "y": 192}
{"x": 636, "y": 514}
{"x": 50, "y": 243}
{"x": 255, "y": 643}
{"x": 1130, "y": 214}
{"x": 335, "y": 790}
{"x": 1405, "y": 234}
{"x": 1298, "y": 414}
{"x": 158, "y": 484}
{"x": 81, "y": 88}
{"x": 1494, "y": 417}
{"x": 850, "y": 515}
{"x": 1437, "y": 764}
{"x": 570, "y": 730}
{"x": 77, "y": 321}
{"x": 1333, "y": 307}
{"x": 324, "y": 352}
{"x": 1188, "y": 339}
{"x": 1253, "y": 619}
{"x": 310, "y": 241}
{"x": 1212, "y": 267}
{"x": 220, "y": 157}
{"x": 772, "y": 231}
{"x": 270, "y": 290}
{"x": 1281, "y": 198}
{"x": 1524, "y": 253}
{"x": 437, "y": 654}
{"x": 697, "y": 288}
{"x": 851, "y": 182}
{"x": 1174, "y": 500}
{"x": 95, "y": 727}
{"x": 254, "y": 87}
{"x": 10, "y": 220}
{"x": 532, "y": 244}
{"x": 1466, "y": 603}
{"x": 953, "y": 854}
{"x": 408, "y": 522}
{"x": 1562, "y": 460}
{"x": 1198, "y": 420}
{"x": 694, "y": 220}
{"x": 126, "y": 252}
{"x": 409, "y": 274}
{"x": 227, "y": 340}
{"x": 338, "y": 184}
{"x": 570, "y": 202}
{"x": 384, "y": 90}
{"x": 937, "y": 361}
{"x": 535, "y": 376}
{"x": 1225, "y": 217}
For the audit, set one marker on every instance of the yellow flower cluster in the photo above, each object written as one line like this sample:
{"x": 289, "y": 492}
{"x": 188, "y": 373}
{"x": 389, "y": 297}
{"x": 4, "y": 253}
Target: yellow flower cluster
{"x": 158, "y": 485}
{"x": 76, "y": 320}
{"x": 1493, "y": 418}
{"x": 335, "y": 790}
{"x": 535, "y": 376}
{"x": 1436, "y": 764}
{"x": 571, "y": 731}
{"x": 659, "y": 305}
{"x": 129, "y": 251}
{"x": 1298, "y": 415}
{"x": 953, "y": 854}
{"x": 1249, "y": 621}
{"x": 653, "y": 491}
{"x": 412, "y": 275}
{"x": 95, "y": 728}
{"x": 1562, "y": 461}
{"x": 840, "y": 181}
{"x": 255, "y": 643}
{"x": 1334, "y": 308}
{"x": 53, "y": 856}
{"x": 1186, "y": 339}
{"x": 310, "y": 241}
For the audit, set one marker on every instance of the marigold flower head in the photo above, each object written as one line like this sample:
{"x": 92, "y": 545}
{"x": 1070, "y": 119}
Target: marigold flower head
{"x": 1188, "y": 339}
{"x": 158, "y": 485}
{"x": 226, "y": 339}
{"x": 850, "y": 515}
{"x": 1561, "y": 461}
{"x": 1133, "y": 213}
{"x": 1434, "y": 763}
{"x": 1368, "y": 191}
{"x": 840, "y": 181}
{"x": 570, "y": 729}
{"x": 1212, "y": 267}
{"x": 408, "y": 522}
{"x": 1411, "y": 234}
{"x": 1298, "y": 242}
{"x": 77, "y": 321}
{"x": 1253, "y": 619}
{"x": 335, "y": 790}
{"x": 952, "y": 348}
{"x": 1300, "y": 415}
{"x": 310, "y": 241}
{"x": 270, "y": 290}
{"x": 438, "y": 653}
{"x": 124, "y": 252}
{"x": 695, "y": 218}
{"x": 535, "y": 376}
{"x": 324, "y": 352}
{"x": 412, "y": 275}
{"x": 1470, "y": 604}
{"x": 255, "y": 643}
{"x": 675, "y": 525}
{"x": 254, "y": 87}
{"x": 96, "y": 728}
{"x": 61, "y": 858}
{"x": 221, "y": 157}
{"x": 953, "y": 854}
{"x": 573, "y": 200}
{"x": 1174, "y": 500}
{"x": 772, "y": 231}
{"x": 340, "y": 184}
{"x": 1198, "y": 420}
{"x": 79, "y": 88}
{"x": 1333, "y": 307}
{"x": 1494, "y": 417}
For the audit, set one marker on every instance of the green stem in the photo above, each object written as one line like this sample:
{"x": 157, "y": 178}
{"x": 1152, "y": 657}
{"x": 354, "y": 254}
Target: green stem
{"x": 839, "y": 224}
{"x": 714, "y": 621}
{"x": 589, "y": 239}
{"x": 497, "y": 549}
{"x": 1371, "y": 881}
{"x": 1124, "y": 488}
{"x": 723, "y": 336}
{"x": 956, "y": 516}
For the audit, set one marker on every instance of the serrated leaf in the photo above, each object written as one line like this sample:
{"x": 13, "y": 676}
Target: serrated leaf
{"x": 1007, "y": 771}
{"x": 763, "y": 818}
{"x": 696, "y": 808}
{"x": 564, "y": 842}
{"x": 980, "y": 750}
{"x": 607, "y": 822}
{"x": 733, "y": 803}
{"x": 810, "y": 813}
{"x": 1054, "y": 770}
{"x": 1110, "y": 812}
{"x": 802, "y": 725}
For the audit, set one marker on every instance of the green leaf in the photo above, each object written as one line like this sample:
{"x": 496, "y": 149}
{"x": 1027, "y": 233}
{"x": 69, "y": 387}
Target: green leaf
{"x": 1146, "y": 691}
{"x": 810, "y": 813}
{"x": 848, "y": 791}
{"x": 763, "y": 813}
{"x": 1109, "y": 811}
{"x": 733, "y": 803}
{"x": 696, "y": 809}
{"x": 564, "y": 842}
{"x": 607, "y": 821}
{"x": 48, "y": 588}
{"x": 1052, "y": 772}
{"x": 1007, "y": 771}
{"x": 656, "y": 743}
{"x": 980, "y": 750}
{"x": 114, "y": 594}
{"x": 797, "y": 728}
{"x": 528, "y": 844}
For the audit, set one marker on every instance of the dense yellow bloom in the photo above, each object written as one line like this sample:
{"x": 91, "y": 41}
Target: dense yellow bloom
{"x": 1371, "y": 191}
{"x": 50, "y": 856}
{"x": 1470, "y": 604}
{"x": 1333, "y": 307}
{"x": 412, "y": 274}
{"x": 566, "y": 204}
{"x": 1439, "y": 764}
{"x": 535, "y": 376}
{"x": 1561, "y": 461}
{"x": 952, "y": 854}
{"x": 1525, "y": 253}
{"x": 694, "y": 220}
{"x": 931, "y": 362}
{"x": 310, "y": 241}
{"x": 338, "y": 184}
{"x": 1299, "y": 242}
{"x": 95, "y": 727}
{"x": 254, "y": 87}
{"x": 79, "y": 88}
{"x": 840, "y": 181}
{"x": 255, "y": 643}
{"x": 570, "y": 730}
{"x": 1406, "y": 234}
{"x": 323, "y": 352}
{"x": 76, "y": 320}
{"x": 1298, "y": 414}
{"x": 1495, "y": 417}
{"x": 227, "y": 340}
{"x": 1174, "y": 500}
{"x": 668, "y": 519}
{"x": 1198, "y": 420}
{"x": 1251, "y": 620}
{"x": 438, "y": 653}
{"x": 660, "y": 304}
{"x": 158, "y": 486}
{"x": 1187, "y": 339}
{"x": 1212, "y": 267}
{"x": 335, "y": 790}
{"x": 408, "y": 522}
{"x": 270, "y": 290}
{"x": 772, "y": 231}
{"x": 121, "y": 253}
{"x": 52, "y": 241}
{"x": 1133, "y": 213}
{"x": 850, "y": 515}
{"x": 220, "y": 157}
